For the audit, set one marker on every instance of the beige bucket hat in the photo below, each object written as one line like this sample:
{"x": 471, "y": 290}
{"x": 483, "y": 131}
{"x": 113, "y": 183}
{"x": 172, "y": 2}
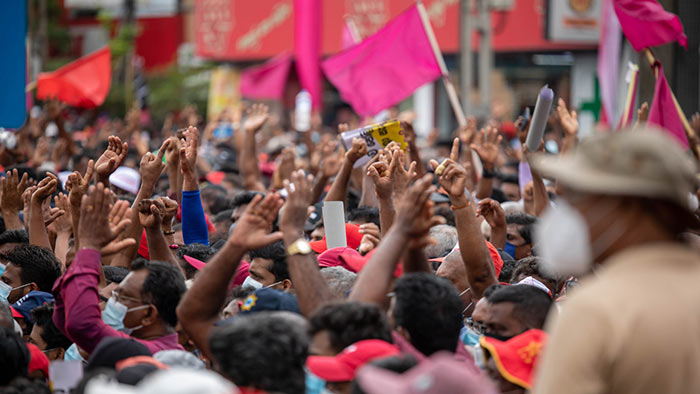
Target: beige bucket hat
{"x": 643, "y": 162}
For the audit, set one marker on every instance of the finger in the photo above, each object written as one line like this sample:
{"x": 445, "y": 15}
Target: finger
{"x": 372, "y": 172}
{"x": 123, "y": 152}
{"x": 115, "y": 247}
{"x": 433, "y": 164}
{"x": 119, "y": 228}
{"x": 454, "y": 153}
{"x": 412, "y": 169}
{"x": 110, "y": 144}
{"x": 394, "y": 162}
{"x": 88, "y": 173}
{"x": 253, "y": 204}
{"x": 162, "y": 150}
{"x": 23, "y": 181}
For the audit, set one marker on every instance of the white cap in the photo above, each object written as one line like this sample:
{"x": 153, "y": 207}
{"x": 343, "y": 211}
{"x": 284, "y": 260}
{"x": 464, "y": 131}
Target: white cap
{"x": 127, "y": 179}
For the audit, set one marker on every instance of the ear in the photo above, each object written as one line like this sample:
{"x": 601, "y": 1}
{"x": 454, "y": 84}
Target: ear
{"x": 404, "y": 333}
{"x": 287, "y": 284}
{"x": 32, "y": 287}
{"x": 150, "y": 317}
{"x": 59, "y": 353}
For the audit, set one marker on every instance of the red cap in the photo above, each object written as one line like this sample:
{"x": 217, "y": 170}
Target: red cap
{"x": 508, "y": 130}
{"x": 215, "y": 177}
{"x": 357, "y": 263}
{"x": 16, "y": 314}
{"x": 332, "y": 257}
{"x": 517, "y": 357}
{"x": 197, "y": 264}
{"x": 37, "y": 360}
{"x": 342, "y": 368}
{"x": 352, "y": 234}
{"x": 241, "y": 273}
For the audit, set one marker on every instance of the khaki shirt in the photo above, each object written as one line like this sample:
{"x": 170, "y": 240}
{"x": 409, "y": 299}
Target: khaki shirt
{"x": 633, "y": 327}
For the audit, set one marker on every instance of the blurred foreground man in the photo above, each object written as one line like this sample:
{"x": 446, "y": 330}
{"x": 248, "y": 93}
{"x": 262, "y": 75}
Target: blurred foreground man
{"x": 632, "y": 326}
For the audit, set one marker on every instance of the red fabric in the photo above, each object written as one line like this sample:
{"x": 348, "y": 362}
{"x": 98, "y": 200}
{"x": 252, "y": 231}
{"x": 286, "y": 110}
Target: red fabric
{"x": 342, "y": 367}
{"x": 307, "y": 47}
{"x": 663, "y": 111}
{"x": 646, "y": 24}
{"x": 16, "y": 314}
{"x": 37, "y": 360}
{"x": 357, "y": 263}
{"x": 352, "y": 233}
{"x": 82, "y": 83}
{"x": 143, "y": 247}
{"x": 268, "y": 80}
{"x": 516, "y": 358}
{"x": 241, "y": 273}
{"x": 496, "y": 257}
{"x": 332, "y": 258}
{"x": 196, "y": 264}
{"x": 158, "y": 40}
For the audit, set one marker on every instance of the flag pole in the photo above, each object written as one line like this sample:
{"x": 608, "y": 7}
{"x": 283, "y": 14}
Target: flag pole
{"x": 689, "y": 132}
{"x": 451, "y": 92}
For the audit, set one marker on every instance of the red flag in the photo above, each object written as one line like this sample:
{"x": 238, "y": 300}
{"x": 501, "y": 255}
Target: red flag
{"x": 307, "y": 47}
{"x": 386, "y": 67}
{"x": 268, "y": 80}
{"x": 664, "y": 112}
{"x": 82, "y": 83}
{"x": 646, "y": 24}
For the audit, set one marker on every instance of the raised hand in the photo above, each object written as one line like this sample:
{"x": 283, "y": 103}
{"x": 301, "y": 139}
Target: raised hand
{"x": 381, "y": 174}
{"x": 12, "y": 190}
{"x": 170, "y": 210}
{"x": 94, "y": 227}
{"x": 172, "y": 153}
{"x": 62, "y": 223}
{"x": 467, "y": 132}
{"x": 188, "y": 151}
{"x": 402, "y": 176}
{"x": 117, "y": 213}
{"x": 486, "y": 145}
{"x": 414, "y": 211}
{"x": 151, "y": 213}
{"x": 257, "y": 115}
{"x": 44, "y": 190}
{"x": 41, "y": 152}
{"x": 252, "y": 230}
{"x": 152, "y": 165}
{"x": 370, "y": 238}
{"x": 111, "y": 159}
{"x": 642, "y": 114}
{"x": 492, "y": 212}
{"x": 358, "y": 149}
{"x": 77, "y": 185}
{"x": 568, "y": 120}
{"x": 299, "y": 195}
{"x": 451, "y": 175}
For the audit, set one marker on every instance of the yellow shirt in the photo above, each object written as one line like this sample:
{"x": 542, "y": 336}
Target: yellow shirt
{"x": 633, "y": 327}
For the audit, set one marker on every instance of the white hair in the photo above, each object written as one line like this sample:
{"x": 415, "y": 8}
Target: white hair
{"x": 446, "y": 237}
{"x": 340, "y": 281}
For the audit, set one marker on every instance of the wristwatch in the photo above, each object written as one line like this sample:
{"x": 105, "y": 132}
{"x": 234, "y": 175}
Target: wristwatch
{"x": 300, "y": 246}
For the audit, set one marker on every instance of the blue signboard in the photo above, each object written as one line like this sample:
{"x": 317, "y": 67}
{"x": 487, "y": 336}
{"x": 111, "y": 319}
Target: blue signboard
{"x": 13, "y": 67}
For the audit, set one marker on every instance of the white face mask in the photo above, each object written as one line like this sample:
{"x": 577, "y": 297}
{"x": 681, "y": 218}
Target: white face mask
{"x": 250, "y": 282}
{"x": 563, "y": 242}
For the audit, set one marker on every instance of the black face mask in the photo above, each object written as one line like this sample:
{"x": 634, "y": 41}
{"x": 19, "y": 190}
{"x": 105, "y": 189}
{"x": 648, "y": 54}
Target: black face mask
{"x": 502, "y": 338}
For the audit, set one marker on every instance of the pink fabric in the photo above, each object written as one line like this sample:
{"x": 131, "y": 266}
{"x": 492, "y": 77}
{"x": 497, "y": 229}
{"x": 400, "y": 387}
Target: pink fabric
{"x": 663, "y": 111}
{"x": 268, "y": 80}
{"x": 386, "y": 67}
{"x": 348, "y": 36}
{"x": 609, "y": 58}
{"x": 647, "y": 24}
{"x": 307, "y": 47}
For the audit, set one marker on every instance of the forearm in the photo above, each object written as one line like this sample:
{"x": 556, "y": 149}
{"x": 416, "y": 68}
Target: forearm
{"x": 75, "y": 219}
{"x": 319, "y": 186}
{"x": 248, "y": 163}
{"x": 11, "y": 218}
{"x": 414, "y": 260}
{"x": 37, "y": 230}
{"x": 135, "y": 229}
{"x": 369, "y": 193}
{"x": 472, "y": 245}
{"x": 173, "y": 179}
{"x": 311, "y": 289}
{"x": 484, "y": 187}
{"x": 569, "y": 144}
{"x": 339, "y": 189}
{"x": 498, "y": 237}
{"x": 194, "y": 224}
{"x": 386, "y": 214}
{"x": 539, "y": 195}
{"x": 374, "y": 281}
{"x": 61, "y": 249}
{"x": 200, "y": 306}
{"x": 158, "y": 249}
{"x": 415, "y": 156}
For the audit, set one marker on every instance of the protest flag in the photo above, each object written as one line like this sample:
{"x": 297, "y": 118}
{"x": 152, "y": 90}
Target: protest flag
{"x": 390, "y": 65}
{"x": 663, "y": 111}
{"x": 268, "y": 80}
{"x": 349, "y": 36}
{"x": 608, "y": 59}
{"x": 646, "y": 24}
{"x": 82, "y": 83}
{"x": 307, "y": 47}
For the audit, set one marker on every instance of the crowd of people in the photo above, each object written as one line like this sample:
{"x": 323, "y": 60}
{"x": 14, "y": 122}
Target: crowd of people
{"x": 175, "y": 260}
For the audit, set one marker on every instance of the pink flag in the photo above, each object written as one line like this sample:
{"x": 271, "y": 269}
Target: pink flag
{"x": 386, "y": 67}
{"x": 268, "y": 80}
{"x": 647, "y": 24}
{"x": 307, "y": 47}
{"x": 349, "y": 36}
{"x": 609, "y": 58}
{"x": 663, "y": 111}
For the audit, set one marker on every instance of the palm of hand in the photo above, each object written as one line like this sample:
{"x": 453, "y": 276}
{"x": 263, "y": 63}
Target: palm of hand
{"x": 570, "y": 124}
{"x": 487, "y": 151}
{"x": 255, "y": 122}
{"x": 103, "y": 167}
{"x": 147, "y": 219}
{"x": 455, "y": 185}
{"x": 250, "y": 231}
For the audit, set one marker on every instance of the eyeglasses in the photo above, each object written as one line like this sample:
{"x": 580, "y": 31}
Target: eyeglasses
{"x": 117, "y": 297}
{"x": 477, "y": 327}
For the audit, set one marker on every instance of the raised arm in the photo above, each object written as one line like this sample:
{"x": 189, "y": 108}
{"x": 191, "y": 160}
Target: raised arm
{"x": 486, "y": 145}
{"x": 339, "y": 189}
{"x": 495, "y": 216}
{"x": 151, "y": 217}
{"x": 11, "y": 201}
{"x": 37, "y": 230}
{"x": 413, "y": 221}
{"x": 569, "y": 122}
{"x": 248, "y": 157}
{"x": 311, "y": 288}
{"x": 77, "y": 185}
{"x": 110, "y": 160}
{"x": 200, "y": 306}
{"x": 472, "y": 244}
{"x": 63, "y": 228}
{"x": 194, "y": 223}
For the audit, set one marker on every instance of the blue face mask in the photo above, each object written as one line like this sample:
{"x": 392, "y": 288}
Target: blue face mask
{"x": 6, "y": 289}
{"x": 115, "y": 312}
{"x": 469, "y": 337}
{"x": 2, "y": 269}
{"x": 314, "y": 384}
{"x": 510, "y": 249}
{"x": 72, "y": 354}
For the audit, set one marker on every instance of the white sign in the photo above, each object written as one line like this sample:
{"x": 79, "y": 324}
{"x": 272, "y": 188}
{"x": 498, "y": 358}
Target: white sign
{"x": 576, "y": 21}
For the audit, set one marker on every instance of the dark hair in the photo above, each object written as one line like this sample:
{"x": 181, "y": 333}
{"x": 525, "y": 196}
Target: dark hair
{"x": 6, "y": 319}
{"x": 399, "y": 364}
{"x": 530, "y": 266}
{"x": 22, "y": 385}
{"x": 492, "y": 289}
{"x": 198, "y": 251}
{"x": 2, "y": 225}
{"x": 526, "y": 222}
{"x": 115, "y": 274}
{"x": 244, "y": 198}
{"x": 430, "y": 309}
{"x": 43, "y": 317}
{"x": 350, "y": 322}
{"x": 448, "y": 214}
{"x": 15, "y": 356}
{"x": 14, "y": 237}
{"x": 278, "y": 254}
{"x": 264, "y": 350}
{"x": 163, "y": 286}
{"x": 365, "y": 214}
{"x": 509, "y": 178}
{"x": 508, "y": 267}
{"x": 530, "y": 304}
{"x": 38, "y": 265}
{"x": 223, "y": 216}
